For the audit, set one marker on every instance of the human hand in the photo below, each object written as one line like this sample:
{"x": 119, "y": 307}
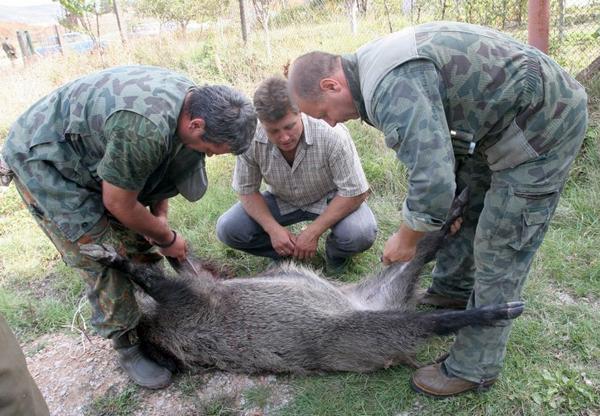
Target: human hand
{"x": 283, "y": 241}
{"x": 306, "y": 245}
{"x": 177, "y": 249}
{"x": 456, "y": 226}
{"x": 394, "y": 250}
{"x": 401, "y": 246}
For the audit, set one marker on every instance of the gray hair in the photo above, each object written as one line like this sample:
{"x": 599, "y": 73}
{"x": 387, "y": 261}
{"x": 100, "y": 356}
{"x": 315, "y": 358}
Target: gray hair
{"x": 228, "y": 115}
{"x": 308, "y": 70}
{"x": 272, "y": 100}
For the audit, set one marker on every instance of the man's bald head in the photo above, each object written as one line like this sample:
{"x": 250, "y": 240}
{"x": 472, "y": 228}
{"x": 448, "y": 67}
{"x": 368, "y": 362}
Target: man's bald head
{"x": 308, "y": 70}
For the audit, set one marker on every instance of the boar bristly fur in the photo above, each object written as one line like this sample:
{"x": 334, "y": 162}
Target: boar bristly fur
{"x": 290, "y": 319}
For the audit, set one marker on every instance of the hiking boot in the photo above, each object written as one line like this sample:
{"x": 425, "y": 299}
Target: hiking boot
{"x": 434, "y": 381}
{"x": 428, "y": 298}
{"x": 142, "y": 370}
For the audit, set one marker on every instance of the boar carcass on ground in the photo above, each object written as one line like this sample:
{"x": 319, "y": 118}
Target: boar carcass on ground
{"x": 290, "y": 319}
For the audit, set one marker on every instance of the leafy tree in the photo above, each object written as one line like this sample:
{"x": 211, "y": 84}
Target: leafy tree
{"x": 181, "y": 11}
{"x": 79, "y": 15}
{"x": 263, "y": 14}
{"x": 157, "y": 9}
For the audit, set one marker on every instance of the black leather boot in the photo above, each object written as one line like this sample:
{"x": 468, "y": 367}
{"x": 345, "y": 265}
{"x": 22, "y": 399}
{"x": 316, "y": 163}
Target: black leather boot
{"x": 142, "y": 370}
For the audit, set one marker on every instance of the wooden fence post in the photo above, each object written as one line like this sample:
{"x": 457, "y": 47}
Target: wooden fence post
{"x": 538, "y": 24}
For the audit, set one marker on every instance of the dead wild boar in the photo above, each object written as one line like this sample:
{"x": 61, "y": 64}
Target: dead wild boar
{"x": 290, "y": 319}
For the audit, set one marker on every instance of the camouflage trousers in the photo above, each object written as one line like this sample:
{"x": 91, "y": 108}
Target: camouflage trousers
{"x": 509, "y": 212}
{"x": 110, "y": 292}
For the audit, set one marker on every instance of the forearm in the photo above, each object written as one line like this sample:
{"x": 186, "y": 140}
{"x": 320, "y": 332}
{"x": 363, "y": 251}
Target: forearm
{"x": 160, "y": 208}
{"x": 339, "y": 208}
{"x": 401, "y": 246}
{"x": 123, "y": 204}
{"x": 408, "y": 236}
{"x": 256, "y": 207}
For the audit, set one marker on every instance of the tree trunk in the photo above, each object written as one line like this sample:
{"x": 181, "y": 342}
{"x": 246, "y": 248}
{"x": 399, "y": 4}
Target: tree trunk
{"x": 243, "y": 22}
{"x": 97, "y": 27}
{"x": 183, "y": 30}
{"x": 261, "y": 7}
{"x": 116, "y": 11}
{"x": 58, "y": 39}
{"x": 588, "y": 73}
{"x": 519, "y": 11}
{"x": 387, "y": 13}
{"x": 363, "y": 5}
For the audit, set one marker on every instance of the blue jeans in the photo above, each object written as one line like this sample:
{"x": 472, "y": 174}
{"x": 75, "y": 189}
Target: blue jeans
{"x": 351, "y": 235}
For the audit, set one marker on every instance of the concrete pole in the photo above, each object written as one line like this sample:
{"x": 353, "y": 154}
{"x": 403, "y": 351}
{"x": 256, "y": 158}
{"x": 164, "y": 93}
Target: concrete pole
{"x": 538, "y": 24}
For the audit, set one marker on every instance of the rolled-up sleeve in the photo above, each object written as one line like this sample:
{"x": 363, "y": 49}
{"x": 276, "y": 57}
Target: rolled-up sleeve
{"x": 246, "y": 175}
{"x": 344, "y": 162}
{"x": 133, "y": 152}
{"x": 408, "y": 108}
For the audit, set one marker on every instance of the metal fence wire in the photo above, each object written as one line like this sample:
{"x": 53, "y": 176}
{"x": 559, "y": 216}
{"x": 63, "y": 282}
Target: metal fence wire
{"x": 574, "y": 25}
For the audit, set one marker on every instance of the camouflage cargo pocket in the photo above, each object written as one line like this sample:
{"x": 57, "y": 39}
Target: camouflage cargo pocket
{"x": 527, "y": 214}
{"x": 532, "y": 222}
{"x": 511, "y": 150}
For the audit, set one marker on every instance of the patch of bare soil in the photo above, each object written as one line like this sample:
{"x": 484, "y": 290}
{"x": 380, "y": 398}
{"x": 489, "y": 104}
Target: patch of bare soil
{"x": 567, "y": 298}
{"x": 79, "y": 376}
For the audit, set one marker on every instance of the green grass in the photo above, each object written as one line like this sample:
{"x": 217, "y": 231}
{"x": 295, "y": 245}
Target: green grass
{"x": 258, "y": 396}
{"x": 552, "y": 361}
{"x": 219, "y": 406}
{"x": 122, "y": 403}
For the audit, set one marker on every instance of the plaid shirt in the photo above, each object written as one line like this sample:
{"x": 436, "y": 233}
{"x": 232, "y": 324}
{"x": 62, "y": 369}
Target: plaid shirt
{"x": 326, "y": 164}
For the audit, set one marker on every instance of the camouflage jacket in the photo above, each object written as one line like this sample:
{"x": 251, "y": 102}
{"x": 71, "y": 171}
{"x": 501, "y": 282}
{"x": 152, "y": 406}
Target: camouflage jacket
{"x": 440, "y": 91}
{"x": 117, "y": 125}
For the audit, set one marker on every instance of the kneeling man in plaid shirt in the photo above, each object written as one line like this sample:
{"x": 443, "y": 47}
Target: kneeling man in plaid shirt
{"x": 312, "y": 172}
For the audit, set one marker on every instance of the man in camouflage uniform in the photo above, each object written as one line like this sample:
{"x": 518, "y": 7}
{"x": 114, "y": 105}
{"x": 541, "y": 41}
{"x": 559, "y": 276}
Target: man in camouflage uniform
{"x": 462, "y": 106}
{"x": 96, "y": 161}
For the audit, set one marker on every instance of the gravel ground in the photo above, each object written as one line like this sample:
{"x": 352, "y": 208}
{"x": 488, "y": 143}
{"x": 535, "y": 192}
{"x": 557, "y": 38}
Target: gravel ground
{"x": 81, "y": 376}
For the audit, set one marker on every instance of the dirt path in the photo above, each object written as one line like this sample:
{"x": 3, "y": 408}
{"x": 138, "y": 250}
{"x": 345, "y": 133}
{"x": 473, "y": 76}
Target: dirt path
{"x": 80, "y": 376}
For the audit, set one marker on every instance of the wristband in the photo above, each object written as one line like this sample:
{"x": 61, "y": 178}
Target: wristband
{"x": 170, "y": 243}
